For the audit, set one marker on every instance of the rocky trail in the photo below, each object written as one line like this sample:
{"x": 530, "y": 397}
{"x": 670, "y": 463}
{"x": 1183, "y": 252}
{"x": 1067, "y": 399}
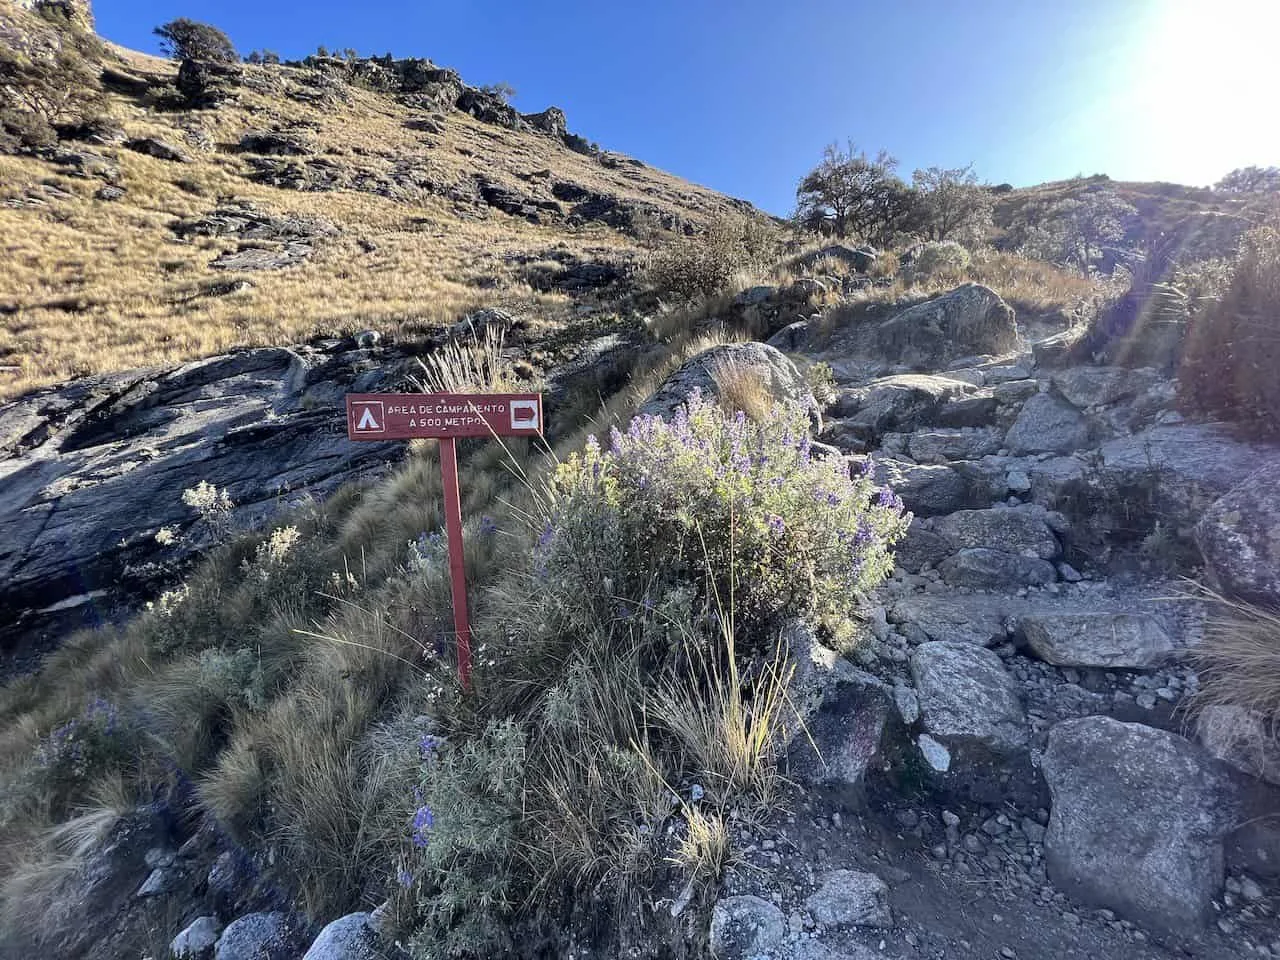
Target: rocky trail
{"x": 1009, "y": 768}
{"x": 1006, "y": 767}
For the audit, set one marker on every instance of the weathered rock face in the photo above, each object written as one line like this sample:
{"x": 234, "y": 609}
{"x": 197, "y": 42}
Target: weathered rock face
{"x": 1240, "y": 737}
{"x": 757, "y": 362}
{"x": 1239, "y": 538}
{"x": 1097, "y": 639}
{"x": 258, "y": 936}
{"x": 94, "y": 469}
{"x": 983, "y": 568}
{"x": 347, "y": 938}
{"x": 1011, "y": 531}
{"x": 1137, "y": 822}
{"x": 745, "y": 927}
{"x": 899, "y": 402}
{"x": 971, "y": 319}
{"x": 1047, "y": 425}
{"x": 851, "y": 898}
{"x": 970, "y": 707}
{"x": 860, "y": 259}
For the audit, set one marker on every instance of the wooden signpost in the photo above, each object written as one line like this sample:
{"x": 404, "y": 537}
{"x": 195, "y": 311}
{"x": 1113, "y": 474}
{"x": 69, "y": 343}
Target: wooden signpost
{"x": 447, "y": 416}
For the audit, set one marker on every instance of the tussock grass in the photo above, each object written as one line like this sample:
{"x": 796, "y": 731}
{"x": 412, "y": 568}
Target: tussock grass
{"x": 1239, "y": 658}
{"x": 740, "y": 387}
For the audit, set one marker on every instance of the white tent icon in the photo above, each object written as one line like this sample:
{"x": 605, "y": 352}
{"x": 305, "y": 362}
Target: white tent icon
{"x": 370, "y": 421}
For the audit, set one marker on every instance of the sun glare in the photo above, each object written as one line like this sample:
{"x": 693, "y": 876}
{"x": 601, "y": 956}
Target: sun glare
{"x": 1202, "y": 84}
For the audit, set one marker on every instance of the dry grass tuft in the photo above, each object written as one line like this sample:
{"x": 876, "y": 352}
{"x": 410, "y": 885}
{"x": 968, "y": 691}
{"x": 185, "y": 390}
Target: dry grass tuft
{"x": 1239, "y": 658}
{"x": 741, "y": 388}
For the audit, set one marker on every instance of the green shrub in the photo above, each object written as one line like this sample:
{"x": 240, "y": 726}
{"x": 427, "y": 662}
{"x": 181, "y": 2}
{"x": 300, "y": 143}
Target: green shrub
{"x": 690, "y": 267}
{"x": 940, "y": 260}
{"x": 1232, "y": 350}
{"x": 82, "y": 749}
{"x": 640, "y": 699}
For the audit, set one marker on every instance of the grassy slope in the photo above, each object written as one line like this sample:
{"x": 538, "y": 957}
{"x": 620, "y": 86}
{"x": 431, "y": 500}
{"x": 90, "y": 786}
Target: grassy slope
{"x": 92, "y": 286}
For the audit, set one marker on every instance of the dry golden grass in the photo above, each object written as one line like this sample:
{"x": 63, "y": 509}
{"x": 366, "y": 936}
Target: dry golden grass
{"x": 741, "y": 388}
{"x": 92, "y": 286}
{"x": 1239, "y": 658}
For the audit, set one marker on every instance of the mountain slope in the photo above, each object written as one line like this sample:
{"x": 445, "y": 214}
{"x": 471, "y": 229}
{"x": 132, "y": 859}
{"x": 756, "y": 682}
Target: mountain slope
{"x": 390, "y": 206}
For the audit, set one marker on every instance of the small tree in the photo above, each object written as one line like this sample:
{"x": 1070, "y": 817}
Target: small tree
{"x": 185, "y": 39}
{"x": 502, "y": 90}
{"x": 38, "y": 92}
{"x": 1250, "y": 180}
{"x": 859, "y": 195}
{"x": 952, "y": 205}
{"x": 1074, "y": 230}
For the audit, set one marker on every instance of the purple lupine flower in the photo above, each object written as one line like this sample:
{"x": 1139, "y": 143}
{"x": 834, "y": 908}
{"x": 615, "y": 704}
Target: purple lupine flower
{"x": 776, "y": 524}
{"x": 887, "y": 498}
{"x": 405, "y": 879}
{"x": 423, "y": 821}
{"x": 428, "y": 745}
{"x": 544, "y": 538}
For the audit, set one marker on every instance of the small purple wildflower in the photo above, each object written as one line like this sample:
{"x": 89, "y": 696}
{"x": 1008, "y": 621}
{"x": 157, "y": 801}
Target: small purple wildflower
{"x": 777, "y": 525}
{"x": 423, "y": 821}
{"x": 405, "y": 879}
{"x": 487, "y": 526}
{"x": 428, "y": 745}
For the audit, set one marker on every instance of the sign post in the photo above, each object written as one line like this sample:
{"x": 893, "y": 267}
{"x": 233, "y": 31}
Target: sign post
{"x": 447, "y": 416}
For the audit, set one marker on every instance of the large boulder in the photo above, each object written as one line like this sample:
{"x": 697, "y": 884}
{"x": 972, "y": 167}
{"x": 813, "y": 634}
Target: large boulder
{"x": 197, "y": 939}
{"x": 259, "y": 936}
{"x": 928, "y": 490}
{"x": 970, "y": 320}
{"x": 1102, "y": 386}
{"x": 1137, "y": 822}
{"x": 859, "y": 259}
{"x": 970, "y": 706}
{"x": 1047, "y": 424}
{"x": 348, "y": 938}
{"x": 978, "y": 620}
{"x": 1097, "y": 639}
{"x": 1009, "y": 530}
{"x": 734, "y": 365}
{"x": 982, "y": 568}
{"x": 1239, "y": 537}
{"x": 903, "y": 402}
{"x": 945, "y": 445}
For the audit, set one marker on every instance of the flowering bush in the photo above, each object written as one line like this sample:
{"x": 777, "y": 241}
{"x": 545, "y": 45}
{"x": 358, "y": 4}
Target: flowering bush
{"x": 741, "y": 511}
{"x": 76, "y": 751}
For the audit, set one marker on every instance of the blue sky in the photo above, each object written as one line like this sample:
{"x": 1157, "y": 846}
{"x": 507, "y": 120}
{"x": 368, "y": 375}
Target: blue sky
{"x": 742, "y": 96}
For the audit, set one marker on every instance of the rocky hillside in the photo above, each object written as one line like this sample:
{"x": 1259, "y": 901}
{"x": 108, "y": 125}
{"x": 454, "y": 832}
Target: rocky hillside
{"x": 855, "y": 609}
{"x": 220, "y": 206}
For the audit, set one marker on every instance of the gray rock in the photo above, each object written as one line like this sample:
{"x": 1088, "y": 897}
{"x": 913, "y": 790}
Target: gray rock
{"x": 1097, "y": 639}
{"x": 196, "y": 941}
{"x": 851, "y": 898}
{"x": 849, "y": 726}
{"x": 937, "y": 756}
{"x": 745, "y": 928}
{"x": 1047, "y": 425}
{"x": 1137, "y": 822}
{"x": 1102, "y": 386}
{"x": 160, "y": 880}
{"x": 775, "y": 372}
{"x": 93, "y": 469}
{"x": 901, "y": 402}
{"x": 1008, "y": 530}
{"x": 921, "y": 547}
{"x": 941, "y": 446}
{"x": 968, "y": 698}
{"x": 982, "y": 568}
{"x": 347, "y": 938}
{"x": 258, "y": 936}
{"x": 263, "y": 258}
{"x": 1242, "y": 738}
{"x": 971, "y": 319}
{"x": 1013, "y": 392}
{"x": 1239, "y": 537}
{"x": 160, "y": 149}
{"x": 754, "y": 296}
{"x": 1186, "y": 465}
{"x": 976, "y": 620}
{"x": 927, "y": 490}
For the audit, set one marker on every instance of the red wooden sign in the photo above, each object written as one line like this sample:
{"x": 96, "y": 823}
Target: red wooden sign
{"x": 406, "y": 416}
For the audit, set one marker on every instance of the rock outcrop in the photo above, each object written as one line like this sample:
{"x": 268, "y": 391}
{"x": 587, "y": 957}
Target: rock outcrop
{"x": 93, "y": 471}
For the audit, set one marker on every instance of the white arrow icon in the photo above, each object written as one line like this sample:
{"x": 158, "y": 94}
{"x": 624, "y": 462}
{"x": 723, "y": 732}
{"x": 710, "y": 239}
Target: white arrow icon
{"x": 370, "y": 422}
